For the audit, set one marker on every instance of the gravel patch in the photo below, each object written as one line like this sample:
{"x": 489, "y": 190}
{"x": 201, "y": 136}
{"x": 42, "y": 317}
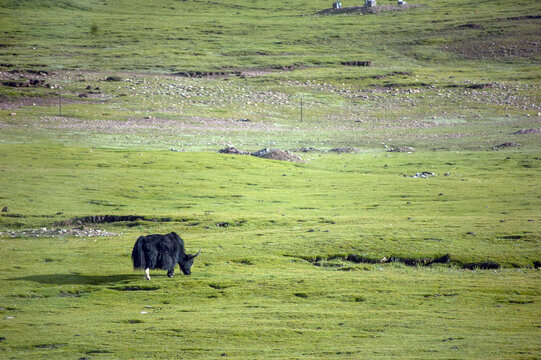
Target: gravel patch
{"x": 45, "y": 232}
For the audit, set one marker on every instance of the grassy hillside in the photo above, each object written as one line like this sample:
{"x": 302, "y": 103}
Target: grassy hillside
{"x": 409, "y": 230}
{"x": 172, "y": 35}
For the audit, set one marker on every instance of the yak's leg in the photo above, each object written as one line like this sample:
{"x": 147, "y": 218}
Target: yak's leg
{"x": 147, "y": 274}
{"x": 170, "y": 273}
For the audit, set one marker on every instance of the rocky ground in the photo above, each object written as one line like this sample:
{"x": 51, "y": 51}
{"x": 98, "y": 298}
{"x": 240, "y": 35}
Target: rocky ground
{"x": 47, "y": 232}
{"x": 273, "y": 154}
{"x": 215, "y": 111}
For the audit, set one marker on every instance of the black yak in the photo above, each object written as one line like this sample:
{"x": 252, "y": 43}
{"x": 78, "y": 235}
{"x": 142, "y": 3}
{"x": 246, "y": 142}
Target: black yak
{"x": 161, "y": 252}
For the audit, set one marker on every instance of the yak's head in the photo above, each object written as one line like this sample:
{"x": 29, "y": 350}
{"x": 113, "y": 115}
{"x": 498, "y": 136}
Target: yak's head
{"x": 186, "y": 263}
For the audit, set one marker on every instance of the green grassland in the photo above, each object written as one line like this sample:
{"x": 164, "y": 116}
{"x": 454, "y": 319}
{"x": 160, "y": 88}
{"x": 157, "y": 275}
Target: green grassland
{"x": 319, "y": 259}
{"x": 252, "y": 292}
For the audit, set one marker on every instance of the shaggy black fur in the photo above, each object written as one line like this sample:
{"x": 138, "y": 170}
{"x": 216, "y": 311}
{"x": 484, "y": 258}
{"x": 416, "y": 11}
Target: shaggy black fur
{"x": 162, "y": 252}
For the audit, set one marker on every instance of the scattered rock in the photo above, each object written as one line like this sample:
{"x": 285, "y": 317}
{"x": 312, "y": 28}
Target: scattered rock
{"x": 423, "y": 175}
{"x": 478, "y": 86}
{"x": 200, "y": 74}
{"x": 345, "y": 150}
{"x": 401, "y": 149}
{"x": 289, "y": 67}
{"x": 28, "y": 83}
{"x": 273, "y": 154}
{"x": 356, "y": 63}
{"x": 261, "y": 152}
{"x": 113, "y": 78}
{"x": 45, "y": 232}
{"x": 305, "y": 149}
{"x": 277, "y": 154}
{"x": 233, "y": 150}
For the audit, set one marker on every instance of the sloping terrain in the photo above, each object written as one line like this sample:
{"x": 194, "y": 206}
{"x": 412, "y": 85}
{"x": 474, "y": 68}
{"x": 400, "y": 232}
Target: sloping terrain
{"x": 410, "y": 229}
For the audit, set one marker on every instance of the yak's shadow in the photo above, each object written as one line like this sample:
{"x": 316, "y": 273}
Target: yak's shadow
{"x": 78, "y": 279}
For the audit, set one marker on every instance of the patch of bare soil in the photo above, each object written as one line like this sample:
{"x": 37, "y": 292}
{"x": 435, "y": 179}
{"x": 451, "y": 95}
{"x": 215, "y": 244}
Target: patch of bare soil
{"x": 324, "y": 261}
{"x": 525, "y": 17}
{"x": 27, "y": 83}
{"x": 469, "y": 26}
{"x": 277, "y": 154}
{"x": 342, "y": 150}
{"x": 305, "y": 149}
{"x": 527, "y": 131}
{"x": 37, "y": 79}
{"x": 496, "y": 48}
{"x": 25, "y": 78}
{"x": 512, "y": 44}
{"x": 107, "y": 219}
{"x": 23, "y": 72}
{"x": 233, "y": 150}
{"x": 506, "y": 145}
{"x": 367, "y": 10}
{"x": 273, "y": 154}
